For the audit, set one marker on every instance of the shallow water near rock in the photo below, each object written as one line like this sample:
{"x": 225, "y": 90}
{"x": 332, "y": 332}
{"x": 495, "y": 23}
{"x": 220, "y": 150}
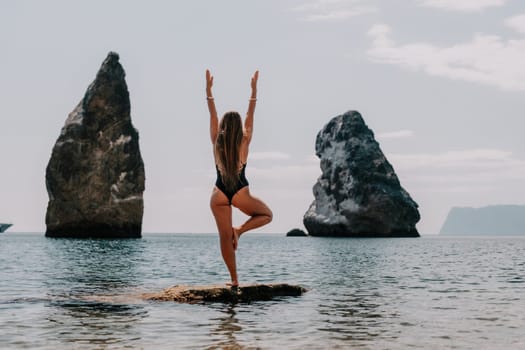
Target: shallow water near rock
{"x": 429, "y": 292}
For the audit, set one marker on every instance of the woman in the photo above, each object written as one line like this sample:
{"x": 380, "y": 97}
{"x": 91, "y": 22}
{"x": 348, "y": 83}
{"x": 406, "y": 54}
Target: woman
{"x": 230, "y": 149}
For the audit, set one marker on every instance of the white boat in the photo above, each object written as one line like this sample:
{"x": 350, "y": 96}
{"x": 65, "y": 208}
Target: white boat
{"x": 4, "y": 227}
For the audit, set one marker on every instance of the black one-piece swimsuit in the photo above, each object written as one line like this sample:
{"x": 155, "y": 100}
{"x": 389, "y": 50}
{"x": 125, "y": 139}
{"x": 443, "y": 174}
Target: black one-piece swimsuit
{"x": 242, "y": 182}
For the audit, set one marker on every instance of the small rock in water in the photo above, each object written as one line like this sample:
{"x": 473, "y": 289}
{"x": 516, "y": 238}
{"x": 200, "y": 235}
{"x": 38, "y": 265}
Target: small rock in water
{"x": 224, "y": 294}
{"x": 358, "y": 193}
{"x": 296, "y": 232}
{"x": 95, "y": 177}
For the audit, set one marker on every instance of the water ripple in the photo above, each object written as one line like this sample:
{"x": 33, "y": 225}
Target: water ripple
{"x": 441, "y": 292}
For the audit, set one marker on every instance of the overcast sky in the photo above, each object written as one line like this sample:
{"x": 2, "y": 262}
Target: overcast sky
{"x": 440, "y": 82}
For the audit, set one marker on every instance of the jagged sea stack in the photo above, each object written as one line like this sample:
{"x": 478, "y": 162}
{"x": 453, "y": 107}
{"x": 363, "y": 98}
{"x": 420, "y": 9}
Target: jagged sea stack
{"x": 95, "y": 177}
{"x": 358, "y": 193}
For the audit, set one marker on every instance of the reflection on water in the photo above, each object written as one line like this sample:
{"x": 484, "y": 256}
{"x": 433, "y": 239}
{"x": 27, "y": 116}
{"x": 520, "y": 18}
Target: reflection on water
{"x": 95, "y": 323}
{"x": 226, "y": 327}
{"x": 92, "y": 265}
{"x": 83, "y": 270}
{"x": 353, "y": 307}
{"x": 356, "y": 318}
{"x": 427, "y": 293}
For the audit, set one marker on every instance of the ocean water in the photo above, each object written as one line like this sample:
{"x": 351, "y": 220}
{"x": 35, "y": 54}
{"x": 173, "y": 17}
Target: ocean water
{"x": 422, "y": 293}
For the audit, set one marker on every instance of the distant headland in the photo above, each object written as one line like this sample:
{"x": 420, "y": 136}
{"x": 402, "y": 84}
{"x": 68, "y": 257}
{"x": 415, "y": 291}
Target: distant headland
{"x": 498, "y": 220}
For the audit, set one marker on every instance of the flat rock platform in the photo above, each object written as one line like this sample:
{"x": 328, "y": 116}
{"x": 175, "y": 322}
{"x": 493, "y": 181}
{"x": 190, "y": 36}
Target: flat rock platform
{"x": 225, "y": 294}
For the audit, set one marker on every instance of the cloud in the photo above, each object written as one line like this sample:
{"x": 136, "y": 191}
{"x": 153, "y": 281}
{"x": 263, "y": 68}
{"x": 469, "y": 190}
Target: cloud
{"x": 473, "y": 169}
{"x": 517, "y": 23}
{"x": 312, "y": 159}
{"x": 462, "y": 5}
{"x": 395, "y": 134}
{"x": 465, "y": 158}
{"x": 333, "y": 10}
{"x": 460, "y": 168}
{"x": 486, "y": 59}
{"x": 268, "y": 156}
{"x": 288, "y": 175}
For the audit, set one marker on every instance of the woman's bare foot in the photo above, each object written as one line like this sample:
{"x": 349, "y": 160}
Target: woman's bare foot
{"x": 233, "y": 284}
{"x": 235, "y": 237}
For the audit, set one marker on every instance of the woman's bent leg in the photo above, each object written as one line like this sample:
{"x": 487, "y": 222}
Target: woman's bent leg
{"x": 258, "y": 211}
{"x": 222, "y": 212}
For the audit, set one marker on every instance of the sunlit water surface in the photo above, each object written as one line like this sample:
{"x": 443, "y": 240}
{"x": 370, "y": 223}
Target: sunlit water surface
{"x": 429, "y": 293}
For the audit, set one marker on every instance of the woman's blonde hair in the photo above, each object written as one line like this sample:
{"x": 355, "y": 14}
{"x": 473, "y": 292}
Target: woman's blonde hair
{"x": 227, "y": 146}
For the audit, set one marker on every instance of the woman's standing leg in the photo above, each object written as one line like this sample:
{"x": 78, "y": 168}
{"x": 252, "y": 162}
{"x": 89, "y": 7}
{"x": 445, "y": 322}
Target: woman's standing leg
{"x": 222, "y": 211}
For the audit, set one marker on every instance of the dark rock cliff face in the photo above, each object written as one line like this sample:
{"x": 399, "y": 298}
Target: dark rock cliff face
{"x": 95, "y": 177}
{"x": 358, "y": 193}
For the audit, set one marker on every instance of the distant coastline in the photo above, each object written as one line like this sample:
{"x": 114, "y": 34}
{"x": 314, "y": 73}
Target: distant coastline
{"x": 499, "y": 220}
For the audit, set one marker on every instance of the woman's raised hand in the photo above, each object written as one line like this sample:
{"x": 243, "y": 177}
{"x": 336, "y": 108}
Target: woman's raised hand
{"x": 209, "y": 82}
{"x": 254, "y": 80}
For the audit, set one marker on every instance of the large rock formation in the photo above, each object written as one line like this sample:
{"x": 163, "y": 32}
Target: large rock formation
{"x": 491, "y": 220}
{"x": 95, "y": 177}
{"x": 358, "y": 193}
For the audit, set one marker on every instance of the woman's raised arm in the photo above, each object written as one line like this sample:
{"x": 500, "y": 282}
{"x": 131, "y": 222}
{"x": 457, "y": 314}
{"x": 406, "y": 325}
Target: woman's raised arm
{"x": 214, "y": 121}
{"x": 248, "y": 123}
